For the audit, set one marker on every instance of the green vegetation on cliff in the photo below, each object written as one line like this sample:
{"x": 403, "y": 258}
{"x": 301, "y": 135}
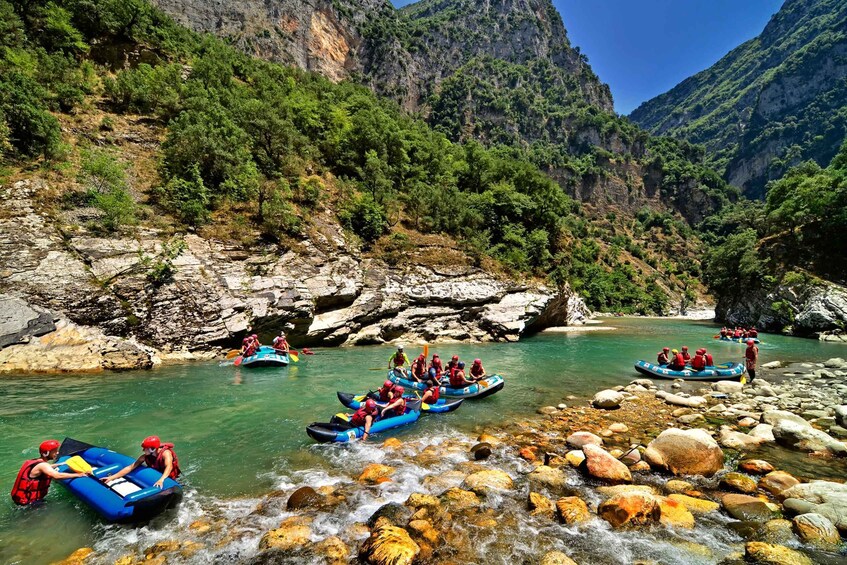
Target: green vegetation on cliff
{"x": 770, "y": 104}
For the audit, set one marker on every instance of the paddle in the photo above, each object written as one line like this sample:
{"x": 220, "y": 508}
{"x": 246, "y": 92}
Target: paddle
{"x": 238, "y": 361}
{"x": 79, "y": 465}
{"x": 233, "y": 353}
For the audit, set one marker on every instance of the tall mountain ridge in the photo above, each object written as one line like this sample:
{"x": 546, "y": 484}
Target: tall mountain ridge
{"x": 771, "y": 103}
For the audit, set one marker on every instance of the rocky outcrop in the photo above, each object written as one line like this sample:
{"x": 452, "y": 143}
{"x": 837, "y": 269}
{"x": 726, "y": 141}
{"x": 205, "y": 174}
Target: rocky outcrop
{"x": 326, "y": 292}
{"x": 685, "y": 452}
{"x": 19, "y": 321}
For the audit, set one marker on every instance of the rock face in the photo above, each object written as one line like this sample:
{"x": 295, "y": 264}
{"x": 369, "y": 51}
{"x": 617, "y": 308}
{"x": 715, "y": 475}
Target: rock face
{"x": 20, "y": 321}
{"x": 685, "y": 452}
{"x": 326, "y": 292}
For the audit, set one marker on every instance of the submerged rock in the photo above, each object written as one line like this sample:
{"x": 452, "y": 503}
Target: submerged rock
{"x": 78, "y": 557}
{"x": 685, "y": 452}
{"x": 304, "y": 497}
{"x": 739, "y": 483}
{"x": 572, "y": 510}
{"x": 376, "y": 473}
{"x": 540, "y": 505}
{"x": 631, "y": 509}
{"x": 389, "y": 545}
{"x": 294, "y": 532}
{"x": 556, "y": 558}
{"x": 481, "y": 451}
{"x": 458, "y": 499}
{"x": 482, "y": 482}
{"x": 548, "y": 477}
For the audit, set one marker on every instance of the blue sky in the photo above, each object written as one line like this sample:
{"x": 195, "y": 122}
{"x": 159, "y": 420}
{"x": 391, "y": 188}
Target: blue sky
{"x": 643, "y": 48}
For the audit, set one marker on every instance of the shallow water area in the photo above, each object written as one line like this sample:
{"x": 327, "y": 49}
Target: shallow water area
{"x": 240, "y": 434}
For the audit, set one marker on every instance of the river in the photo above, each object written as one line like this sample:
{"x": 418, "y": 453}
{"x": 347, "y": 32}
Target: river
{"x": 240, "y": 433}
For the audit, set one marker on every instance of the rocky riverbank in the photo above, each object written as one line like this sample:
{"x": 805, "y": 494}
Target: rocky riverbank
{"x": 629, "y": 476}
{"x": 155, "y": 296}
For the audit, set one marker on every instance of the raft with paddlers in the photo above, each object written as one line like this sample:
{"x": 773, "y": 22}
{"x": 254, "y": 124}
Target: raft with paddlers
{"x": 485, "y": 387}
{"x": 340, "y": 430}
{"x": 723, "y": 372}
{"x": 131, "y": 498}
{"x": 441, "y": 406}
{"x": 737, "y": 339}
{"x": 266, "y": 357}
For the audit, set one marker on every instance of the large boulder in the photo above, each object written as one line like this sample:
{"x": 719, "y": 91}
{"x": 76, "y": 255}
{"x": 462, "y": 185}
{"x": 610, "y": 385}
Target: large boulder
{"x": 601, "y": 465}
{"x": 578, "y": 439}
{"x": 630, "y": 509}
{"x": 793, "y": 431}
{"x": 389, "y": 545}
{"x": 821, "y": 497}
{"x": 685, "y": 452}
{"x": 607, "y": 399}
{"x": 19, "y": 321}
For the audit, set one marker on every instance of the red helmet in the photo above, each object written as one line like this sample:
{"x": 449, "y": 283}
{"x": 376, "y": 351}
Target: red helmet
{"x": 685, "y": 348}
{"x": 435, "y": 356}
{"x": 701, "y": 351}
{"x": 152, "y": 441}
{"x": 399, "y": 390}
{"x": 750, "y": 342}
{"x": 370, "y": 404}
{"x": 477, "y": 361}
{"x": 48, "y": 446}
{"x": 666, "y": 349}
{"x": 254, "y": 336}
{"x": 421, "y": 356}
{"x": 387, "y": 384}
{"x": 455, "y": 358}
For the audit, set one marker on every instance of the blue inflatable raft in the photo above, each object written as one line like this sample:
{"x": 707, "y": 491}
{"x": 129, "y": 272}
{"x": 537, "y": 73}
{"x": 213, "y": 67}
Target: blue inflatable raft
{"x": 340, "y": 430}
{"x": 738, "y": 339}
{"x": 724, "y": 372}
{"x": 441, "y": 406}
{"x": 486, "y": 387}
{"x": 132, "y": 498}
{"x": 265, "y": 357}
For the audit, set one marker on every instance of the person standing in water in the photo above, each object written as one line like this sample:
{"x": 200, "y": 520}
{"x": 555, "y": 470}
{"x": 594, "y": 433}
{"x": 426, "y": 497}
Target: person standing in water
{"x": 751, "y": 357}
{"x": 35, "y": 475}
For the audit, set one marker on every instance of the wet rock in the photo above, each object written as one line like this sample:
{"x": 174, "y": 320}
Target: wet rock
{"x": 527, "y": 454}
{"x": 391, "y": 443}
{"x": 304, "y": 497}
{"x": 763, "y": 432}
{"x": 575, "y": 457}
{"x": 772, "y": 365}
{"x": 816, "y": 529}
{"x": 489, "y": 439}
{"x": 685, "y": 452}
{"x": 747, "y": 508}
{"x": 603, "y": 466}
{"x": 755, "y": 467}
{"x": 200, "y": 527}
{"x": 632, "y": 509}
{"x": 777, "y": 531}
{"x": 547, "y": 410}
{"x": 776, "y": 482}
{"x": 695, "y": 505}
{"x": 481, "y": 451}
{"x": 423, "y": 530}
{"x": 578, "y": 439}
{"x": 556, "y": 558}
{"x": 738, "y": 440}
{"x": 675, "y": 485}
{"x": 458, "y": 499}
{"x": 793, "y": 431}
{"x": 640, "y": 467}
{"x": 78, "y": 557}
{"x": 674, "y": 513}
{"x": 841, "y": 415}
{"x": 607, "y": 399}
{"x": 835, "y": 363}
{"x": 821, "y": 497}
{"x": 420, "y": 500}
{"x": 691, "y": 419}
{"x": 630, "y": 458}
{"x": 392, "y": 513}
{"x": 376, "y": 473}
{"x": 572, "y": 510}
{"x": 727, "y": 387}
{"x": 748, "y": 422}
{"x": 482, "y": 482}
{"x": 619, "y": 428}
{"x": 294, "y": 532}
{"x": 333, "y": 549}
{"x": 389, "y": 545}
{"x": 738, "y": 483}
{"x": 168, "y": 546}
{"x": 188, "y": 548}
{"x": 548, "y": 477}
{"x": 838, "y": 432}
{"x": 677, "y": 400}
{"x": 615, "y": 490}
{"x": 540, "y": 505}
{"x": 769, "y": 554}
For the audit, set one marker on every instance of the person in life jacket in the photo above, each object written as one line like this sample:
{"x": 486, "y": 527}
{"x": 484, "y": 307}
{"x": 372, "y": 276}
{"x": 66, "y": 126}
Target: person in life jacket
{"x": 724, "y": 331}
{"x": 398, "y": 361}
{"x": 156, "y": 455}
{"x": 698, "y": 363}
{"x": 477, "y": 370}
{"x": 250, "y": 345}
{"x": 419, "y": 368}
{"x": 432, "y": 392}
{"x": 677, "y": 362}
{"x": 451, "y": 365}
{"x": 662, "y": 358}
{"x": 436, "y": 369}
{"x": 738, "y": 333}
{"x": 710, "y": 361}
{"x": 458, "y": 378}
{"x": 397, "y": 407}
{"x": 386, "y": 392}
{"x": 365, "y": 416}
{"x": 281, "y": 344}
{"x": 35, "y": 475}
{"x": 686, "y": 356}
{"x": 754, "y": 333}
{"x": 751, "y": 357}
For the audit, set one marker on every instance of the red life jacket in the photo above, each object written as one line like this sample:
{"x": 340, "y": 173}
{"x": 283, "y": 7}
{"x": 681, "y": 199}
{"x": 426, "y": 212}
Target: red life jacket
{"x": 383, "y": 393}
{"x": 662, "y": 358}
{"x": 678, "y": 361}
{"x": 27, "y": 490}
{"x": 737, "y": 333}
{"x": 698, "y": 363}
{"x": 399, "y": 359}
{"x": 710, "y": 361}
{"x": 358, "y": 418}
{"x": 751, "y": 354}
{"x": 157, "y": 461}
{"x": 457, "y": 377}
{"x": 400, "y": 409}
{"x": 477, "y": 370}
{"x": 436, "y": 364}
{"x": 280, "y": 343}
{"x": 436, "y": 391}
{"x": 419, "y": 367}
{"x": 686, "y": 356}
{"x": 753, "y": 333}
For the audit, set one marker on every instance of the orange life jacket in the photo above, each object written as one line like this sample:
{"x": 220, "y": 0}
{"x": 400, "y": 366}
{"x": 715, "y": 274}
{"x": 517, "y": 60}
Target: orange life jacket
{"x": 157, "y": 460}
{"x": 27, "y": 490}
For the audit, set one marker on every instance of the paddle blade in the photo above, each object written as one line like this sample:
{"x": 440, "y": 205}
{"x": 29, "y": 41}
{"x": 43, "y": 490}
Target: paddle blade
{"x": 293, "y": 356}
{"x": 233, "y": 353}
{"x": 238, "y": 361}
{"x": 78, "y": 464}
{"x": 343, "y": 416}
{"x": 426, "y": 350}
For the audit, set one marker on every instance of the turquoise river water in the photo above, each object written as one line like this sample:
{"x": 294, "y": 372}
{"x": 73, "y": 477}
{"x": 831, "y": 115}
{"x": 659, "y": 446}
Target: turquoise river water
{"x": 240, "y": 433}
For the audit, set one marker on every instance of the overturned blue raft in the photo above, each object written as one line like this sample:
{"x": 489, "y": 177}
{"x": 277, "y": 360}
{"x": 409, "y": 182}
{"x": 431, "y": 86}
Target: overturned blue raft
{"x": 724, "y": 372}
{"x": 441, "y": 406}
{"x": 265, "y": 357}
{"x": 132, "y": 498}
{"x": 486, "y": 387}
{"x": 340, "y": 430}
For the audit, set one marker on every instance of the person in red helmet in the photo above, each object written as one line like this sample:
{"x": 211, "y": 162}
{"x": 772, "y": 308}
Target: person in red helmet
{"x": 35, "y": 475}
{"x": 281, "y": 344}
{"x": 710, "y": 361}
{"x": 419, "y": 368}
{"x": 397, "y": 407}
{"x": 458, "y": 378}
{"x": 250, "y": 345}
{"x": 698, "y": 363}
{"x": 156, "y": 455}
{"x": 385, "y": 393}
{"x": 662, "y": 358}
{"x": 451, "y": 365}
{"x": 751, "y": 357}
{"x": 365, "y": 416}
{"x": 477, "y": 370}
{"x": 432, "y": 392}
{"x": 436, "y": 369}
{"x": 686, "y": 356}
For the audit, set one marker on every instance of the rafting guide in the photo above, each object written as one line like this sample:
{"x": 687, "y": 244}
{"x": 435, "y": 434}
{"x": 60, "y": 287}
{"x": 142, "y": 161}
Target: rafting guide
{"x": 35, "y": 475}
{"x": 398, "y": 362}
